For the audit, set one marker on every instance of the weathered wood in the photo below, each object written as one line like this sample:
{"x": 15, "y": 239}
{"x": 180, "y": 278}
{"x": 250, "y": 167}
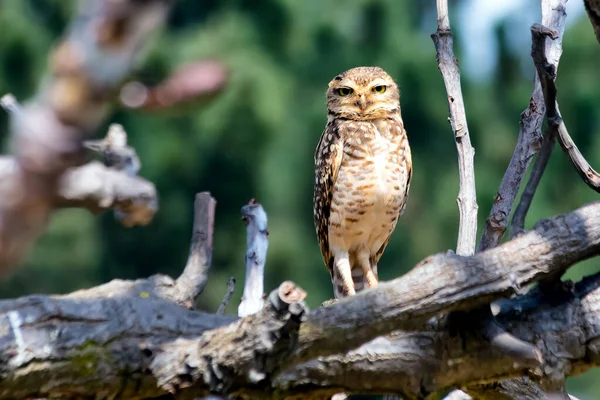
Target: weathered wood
{"x": 425, "y": 363}
{"x": 257, "y": 243}
{"x": 126, "y": 337}
{"x": 448, "y": 65}
{"x": 195, "y": 275}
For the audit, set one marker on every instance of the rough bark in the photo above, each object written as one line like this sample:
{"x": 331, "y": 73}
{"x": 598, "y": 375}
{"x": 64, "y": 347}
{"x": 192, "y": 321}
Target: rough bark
{"x": 126, "y": 337}
{"x": 448, "y": 65}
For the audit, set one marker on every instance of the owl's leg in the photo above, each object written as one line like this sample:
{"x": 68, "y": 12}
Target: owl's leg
{"x": 364, "y": 260}
{"x": 343, "y": 274}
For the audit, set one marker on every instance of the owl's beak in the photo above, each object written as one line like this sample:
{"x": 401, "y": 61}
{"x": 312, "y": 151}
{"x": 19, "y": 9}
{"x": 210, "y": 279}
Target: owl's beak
{"x": 362, "y": 102}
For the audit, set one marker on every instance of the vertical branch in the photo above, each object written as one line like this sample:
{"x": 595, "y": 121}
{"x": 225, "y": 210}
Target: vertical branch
{"x": 448, "y": 65}
{"x": 195, "y": 275}
{"x": 227, "y": 297}
{"x": 85, "y": 70}
{"x": 256, "y": 253}
{"x": 546, "y": 52}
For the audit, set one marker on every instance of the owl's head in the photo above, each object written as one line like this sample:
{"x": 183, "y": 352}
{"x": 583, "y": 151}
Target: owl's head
{"x": 363, "y": 93}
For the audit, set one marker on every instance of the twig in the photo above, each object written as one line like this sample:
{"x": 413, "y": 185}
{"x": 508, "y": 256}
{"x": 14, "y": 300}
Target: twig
{"x": 528, "y": 144}
{"x": 85, "y": 69}
{"x": 448, "y": 66}
{"x": 194, "y": 277}
{"x": 228, "y": 296}
{"x": 518, "y": 220}
{"x": 257, "y": 243}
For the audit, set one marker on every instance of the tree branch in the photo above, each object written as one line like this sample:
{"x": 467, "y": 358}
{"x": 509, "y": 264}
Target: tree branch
{"x": 97, "y": 188}
{"x": 195, "y": 275}
{"x": 124, "y": 338}
{"x": 227, "y": 297}
{"x": 86, "y": 67}
{"x": 547, "y": 69}
{"x": 256, "y": 254}
{"x": 448, "y": 65}
{"x": 424, "y": 364}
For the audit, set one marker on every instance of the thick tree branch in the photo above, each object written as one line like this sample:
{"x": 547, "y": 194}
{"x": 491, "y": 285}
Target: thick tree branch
{"x": 123, "y": 337}
{"x": 85, "y": 69}
{"x": 448, "y": 65}
{"x": 424, "y": 364}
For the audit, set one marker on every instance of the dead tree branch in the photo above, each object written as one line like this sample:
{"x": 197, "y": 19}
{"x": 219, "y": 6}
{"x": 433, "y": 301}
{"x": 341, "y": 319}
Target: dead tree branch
{"x": 227, "y": 297}
{"x": 97, "y": 188}
{"x": 85, "y": 69}
{"x": 123, "y": 337}
{"x": 448, "y": 65}
{"x": 256, "y": 254}
{"x": 424, "y": 364}
{"x": 195, "y": 275}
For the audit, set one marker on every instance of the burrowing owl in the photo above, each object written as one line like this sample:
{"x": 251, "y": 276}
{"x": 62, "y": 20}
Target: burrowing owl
{"x": 363, "y": 169}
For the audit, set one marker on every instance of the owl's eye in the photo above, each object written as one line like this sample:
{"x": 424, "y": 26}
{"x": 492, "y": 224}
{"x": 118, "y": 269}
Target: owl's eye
{"x": 344, "y": 91}
{"x": 379, "y": 89}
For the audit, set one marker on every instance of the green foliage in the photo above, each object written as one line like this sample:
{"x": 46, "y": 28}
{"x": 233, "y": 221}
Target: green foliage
{"x": 257, "y": 138}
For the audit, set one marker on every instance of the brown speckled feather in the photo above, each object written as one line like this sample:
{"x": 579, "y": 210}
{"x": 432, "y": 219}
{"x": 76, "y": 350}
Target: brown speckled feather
{"x": 328, "y": 158}
{"x": 362, "y": 176}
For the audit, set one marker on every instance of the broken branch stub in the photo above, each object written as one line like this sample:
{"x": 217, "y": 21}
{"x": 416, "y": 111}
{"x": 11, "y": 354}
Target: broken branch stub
{"x": 257, "y": 243}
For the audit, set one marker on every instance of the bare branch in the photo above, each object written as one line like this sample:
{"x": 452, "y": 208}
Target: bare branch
{"x": 449, "y": 282}
{"x": 529, "y": 142}
{"x": 228, "y": 296}
{"x": 86, "y": 67}
{"x": 111, "y": 337}
{"x": 98, "y": 188}
{"x": 256, "y": 253}
{"x": 194, "y": 277}
{"x": 467, "y": 203}
{"x": 426, "y": 363}
{"x": 546, "y": 49}
{"x": 518, "y": 221}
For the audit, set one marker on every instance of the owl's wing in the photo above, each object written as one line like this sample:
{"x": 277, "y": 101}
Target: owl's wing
{"x": 328, "y": 158}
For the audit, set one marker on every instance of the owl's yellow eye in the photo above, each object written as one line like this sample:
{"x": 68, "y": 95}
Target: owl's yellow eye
{"x": 344, "y": 91}
{"x": 379, "y": 89}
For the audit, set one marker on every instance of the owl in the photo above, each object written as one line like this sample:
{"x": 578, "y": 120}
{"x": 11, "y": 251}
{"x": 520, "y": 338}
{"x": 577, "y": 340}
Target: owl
{"x": 363, "y": 169}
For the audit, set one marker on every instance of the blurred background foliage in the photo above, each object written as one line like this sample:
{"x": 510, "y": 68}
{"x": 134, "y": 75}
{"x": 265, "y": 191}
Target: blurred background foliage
{"x": 257, "y": 138}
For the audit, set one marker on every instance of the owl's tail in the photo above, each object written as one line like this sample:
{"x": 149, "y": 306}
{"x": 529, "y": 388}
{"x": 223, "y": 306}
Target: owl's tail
{"x": 358, "y": 276}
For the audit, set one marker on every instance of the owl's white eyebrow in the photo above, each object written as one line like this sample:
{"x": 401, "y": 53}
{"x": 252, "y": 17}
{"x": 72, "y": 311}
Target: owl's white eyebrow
{"x": 379, "y": 82}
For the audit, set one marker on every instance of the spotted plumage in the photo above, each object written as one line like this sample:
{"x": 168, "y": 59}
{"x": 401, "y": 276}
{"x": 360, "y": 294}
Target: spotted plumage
{"x": 363, "y": 170}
